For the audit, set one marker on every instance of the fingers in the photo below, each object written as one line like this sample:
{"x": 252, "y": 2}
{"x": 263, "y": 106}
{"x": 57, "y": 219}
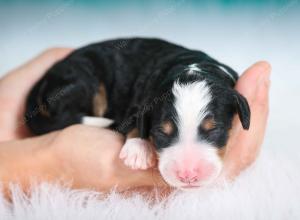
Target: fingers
{"x": 89, "y": 156}
{"x": 254, "y": 85}
{"x": 44, "y": 61}
{"x": 250, "y": 82}
{"x": 26, "y": 75}
{"x": 14, "y": 88}
{"x": 243, "y": 146}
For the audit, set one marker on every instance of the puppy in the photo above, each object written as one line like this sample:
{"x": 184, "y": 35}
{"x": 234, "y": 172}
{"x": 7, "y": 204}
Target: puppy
{"x": 159, "y": 95}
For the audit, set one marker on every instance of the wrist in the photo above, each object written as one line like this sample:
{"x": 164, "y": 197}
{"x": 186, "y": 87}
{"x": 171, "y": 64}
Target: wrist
{"x": 26, "y": 161}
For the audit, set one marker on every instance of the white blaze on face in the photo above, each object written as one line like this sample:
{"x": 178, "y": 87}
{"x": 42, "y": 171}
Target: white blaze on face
{"x": 190, "y": 161}
{"x": 191, "y": 101}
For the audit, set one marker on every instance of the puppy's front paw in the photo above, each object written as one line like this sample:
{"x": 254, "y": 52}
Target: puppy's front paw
{"x": 137, "y": 154}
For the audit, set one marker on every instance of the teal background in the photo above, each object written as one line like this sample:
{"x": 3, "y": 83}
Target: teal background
{"x": 224, "y": 3}
{"x": 239, "y": 32}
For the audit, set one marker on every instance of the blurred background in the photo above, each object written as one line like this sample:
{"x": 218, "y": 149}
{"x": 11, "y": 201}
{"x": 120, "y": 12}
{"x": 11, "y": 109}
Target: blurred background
{"x": 235, "y": 32}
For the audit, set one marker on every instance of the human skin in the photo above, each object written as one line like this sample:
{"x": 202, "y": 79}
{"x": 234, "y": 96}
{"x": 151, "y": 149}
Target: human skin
{"x": 88, "y": 157}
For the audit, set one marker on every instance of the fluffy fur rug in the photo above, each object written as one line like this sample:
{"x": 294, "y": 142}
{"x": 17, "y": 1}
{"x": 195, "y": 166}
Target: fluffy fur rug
{"x": 268, "y": 190}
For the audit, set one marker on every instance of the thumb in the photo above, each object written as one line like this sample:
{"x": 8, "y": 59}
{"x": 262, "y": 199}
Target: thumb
{"x": 243, "y": 146}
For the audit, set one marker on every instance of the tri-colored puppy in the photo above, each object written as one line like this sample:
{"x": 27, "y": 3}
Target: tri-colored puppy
{"x": 159, "y": 94}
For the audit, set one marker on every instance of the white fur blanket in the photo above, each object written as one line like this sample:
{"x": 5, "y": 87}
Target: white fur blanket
{"x": 268, "y": 190}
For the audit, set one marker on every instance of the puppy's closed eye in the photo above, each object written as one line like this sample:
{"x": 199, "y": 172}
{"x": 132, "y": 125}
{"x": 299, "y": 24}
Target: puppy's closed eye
{"x": 208, "y": 124}
{"x": 167, "y": 127}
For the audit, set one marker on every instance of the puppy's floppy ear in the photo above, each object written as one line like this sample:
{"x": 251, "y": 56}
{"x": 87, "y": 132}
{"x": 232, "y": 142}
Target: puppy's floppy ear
{"x": 242, "y": 108}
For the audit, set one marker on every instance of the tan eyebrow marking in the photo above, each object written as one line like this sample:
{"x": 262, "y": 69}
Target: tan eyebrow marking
{"x": 208, "y": 124}
{"x": 167, "y": 127}
{"x": 42, "y": 108}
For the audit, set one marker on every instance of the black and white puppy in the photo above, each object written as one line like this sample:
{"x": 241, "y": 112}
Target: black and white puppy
{"x": 159, "y": 94}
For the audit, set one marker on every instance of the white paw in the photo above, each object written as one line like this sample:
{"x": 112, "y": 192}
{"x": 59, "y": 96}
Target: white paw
{"x": 137, "y": 154}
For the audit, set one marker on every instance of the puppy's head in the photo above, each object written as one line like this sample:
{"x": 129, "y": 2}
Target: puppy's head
{"x": 190, "y": 130}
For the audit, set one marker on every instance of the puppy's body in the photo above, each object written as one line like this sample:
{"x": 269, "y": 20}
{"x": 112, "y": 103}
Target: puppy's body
{"x": 172, "y": 94}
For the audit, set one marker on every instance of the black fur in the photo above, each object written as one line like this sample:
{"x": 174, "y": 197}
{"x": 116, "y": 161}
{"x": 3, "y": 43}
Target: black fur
{"x": 138, "y": 75}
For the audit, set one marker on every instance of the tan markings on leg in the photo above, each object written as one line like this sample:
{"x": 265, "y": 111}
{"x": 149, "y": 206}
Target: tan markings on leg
{"x": 221, "y": 152}
{"x": 133, "y": 133}
{"x": 151, "y": 140}
{"x": 167, "y": 127}
{"x": 100, "y": 101}
{"x": 42, "y": 108}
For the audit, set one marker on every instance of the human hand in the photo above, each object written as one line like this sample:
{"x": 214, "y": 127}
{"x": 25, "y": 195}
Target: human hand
{"x": 14, "y": 88}
{"x": 243, "y": 146}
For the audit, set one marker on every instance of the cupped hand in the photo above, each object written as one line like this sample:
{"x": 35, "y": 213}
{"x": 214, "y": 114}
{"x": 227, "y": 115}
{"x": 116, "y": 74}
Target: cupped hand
{"x": 244, "y": 145}
{"x": 87, "y": 157}
{"x": 14, "y": 88}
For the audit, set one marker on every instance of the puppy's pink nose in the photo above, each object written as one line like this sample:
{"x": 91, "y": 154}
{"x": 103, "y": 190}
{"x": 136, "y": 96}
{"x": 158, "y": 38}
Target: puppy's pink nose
{"x": 192, "y": 175}
{"x": 188, "y": 176}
